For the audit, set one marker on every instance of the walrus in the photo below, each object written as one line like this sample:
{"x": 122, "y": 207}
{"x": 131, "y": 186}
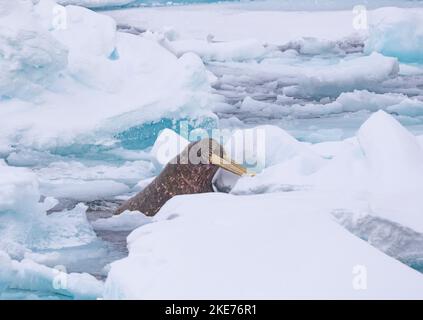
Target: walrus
{"x": 190, "y": 172}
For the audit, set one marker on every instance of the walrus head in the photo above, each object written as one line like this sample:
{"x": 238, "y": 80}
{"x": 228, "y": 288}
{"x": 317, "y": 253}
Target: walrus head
{"x": 190, "y": 172}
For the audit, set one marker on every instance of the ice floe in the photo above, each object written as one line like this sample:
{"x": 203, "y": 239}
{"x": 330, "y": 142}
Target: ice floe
{"x": 95, "y": 3}
{"x": 101, "y": 81}
{"x": 84, "y": 108}
{"x": 398, "y": 33}
{"x": 220, "y": 51}
{"x": 354, "y": 101}
{"x": 128, "y": 220}
{"x": 31, "y": 57}
{"x": 222, "y": 246}
{"x": 24, "y": 222}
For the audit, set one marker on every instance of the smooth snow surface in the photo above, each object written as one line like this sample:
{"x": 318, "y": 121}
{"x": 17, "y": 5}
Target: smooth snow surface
{"x": 274, "y": 247}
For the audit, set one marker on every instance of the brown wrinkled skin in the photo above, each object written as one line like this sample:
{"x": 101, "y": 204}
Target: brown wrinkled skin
{"x": 177, "y": 178}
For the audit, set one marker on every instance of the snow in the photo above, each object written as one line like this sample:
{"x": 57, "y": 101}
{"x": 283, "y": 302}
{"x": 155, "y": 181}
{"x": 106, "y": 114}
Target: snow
{"x": 205, "y": 247}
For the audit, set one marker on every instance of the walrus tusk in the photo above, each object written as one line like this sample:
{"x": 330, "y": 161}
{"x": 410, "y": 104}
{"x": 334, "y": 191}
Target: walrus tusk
{"x": 229, "y": 165}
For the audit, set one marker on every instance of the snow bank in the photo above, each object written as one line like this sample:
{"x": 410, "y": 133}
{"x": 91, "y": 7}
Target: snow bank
{"x": 397, "y": 33}
{"x": 279, "y": 246}
{"x": 28, "y": 275}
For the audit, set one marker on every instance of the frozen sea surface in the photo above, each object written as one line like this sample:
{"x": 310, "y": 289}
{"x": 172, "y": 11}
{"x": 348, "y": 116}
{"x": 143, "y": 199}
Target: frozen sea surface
{"x": 317, "y": 84}
{"x": 290, "y": 5}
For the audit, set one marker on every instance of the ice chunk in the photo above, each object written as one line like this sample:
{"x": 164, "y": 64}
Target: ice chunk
{"x": 30, "y": 158}
{"x": 129, "y": 172}
{"x": 220, "y": 51}
{"x": 31, "y": 58}
{"x": 397, "y": 33}
{"x": 395, "y": 162}
{"x": 82, "y": 190}
{"x": 349, "y": 74}
{"x": 95, "y": 3}
{"x": 398, "y": 241}
{"x": 167, "y": 146}
{"x": 24, "y": 223}
{"x": 355, "y": 101}
{"x": 87, "y": 33}
{"x": 126, "y": 221}
{"x": 68, "y": 228}
{"x": 269, "y": 145}
{"x": 393, "y": 153}
{"x": 224, "y": 181}
{"x": 28, "y": 275}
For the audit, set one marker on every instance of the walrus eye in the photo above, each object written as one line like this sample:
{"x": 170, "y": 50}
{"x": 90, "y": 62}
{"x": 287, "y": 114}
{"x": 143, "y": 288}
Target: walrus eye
{"x": 199, "y": 153}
